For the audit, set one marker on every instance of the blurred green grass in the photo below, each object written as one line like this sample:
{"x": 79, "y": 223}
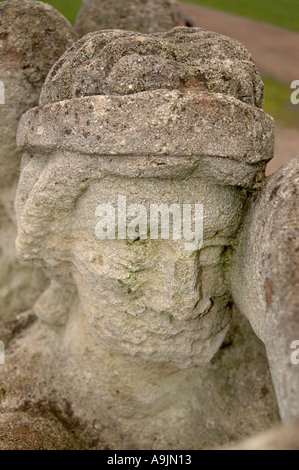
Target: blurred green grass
{"x": 284, "y": 13}
{"x": 69, "y": 8}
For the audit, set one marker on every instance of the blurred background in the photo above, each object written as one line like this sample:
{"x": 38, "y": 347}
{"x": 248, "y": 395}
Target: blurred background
{"x": 270, "y": 31}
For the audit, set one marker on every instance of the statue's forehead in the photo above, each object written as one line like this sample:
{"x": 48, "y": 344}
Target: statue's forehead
{"x": 145, "y": 197}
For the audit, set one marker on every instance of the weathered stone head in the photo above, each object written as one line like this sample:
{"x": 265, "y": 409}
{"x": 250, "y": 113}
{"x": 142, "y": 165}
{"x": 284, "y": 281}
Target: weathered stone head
{"x": 160, "y": 119}
{"x": 146, "y": 16}
{"x": 33, "y": 35}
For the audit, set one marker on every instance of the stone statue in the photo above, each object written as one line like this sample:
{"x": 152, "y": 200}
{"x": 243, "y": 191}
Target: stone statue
{"x": 146, "y": 16}
{"x": 33, "y": 35}
{"x": 138, "y": 343}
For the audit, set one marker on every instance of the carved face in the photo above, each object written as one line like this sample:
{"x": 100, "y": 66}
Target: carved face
{"x": 154, "y": 298}
{"x": 148, "y": 298}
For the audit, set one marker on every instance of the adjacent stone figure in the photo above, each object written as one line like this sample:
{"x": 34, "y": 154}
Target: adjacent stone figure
{"x": 147, "y": 16}
{"x": 265, "y": 279}
{"x": 33, "y": 35}
{"x": 135, "y": 345}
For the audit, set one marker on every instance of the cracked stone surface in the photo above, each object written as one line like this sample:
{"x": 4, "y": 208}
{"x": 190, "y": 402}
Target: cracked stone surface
{"x": 123, "y": 63}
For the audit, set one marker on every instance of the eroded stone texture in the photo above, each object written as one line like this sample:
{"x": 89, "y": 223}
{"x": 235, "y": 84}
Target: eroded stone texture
{"x": 186, "y": 59}
{"x": 265, "y": 278}
{"x": 33, "y": 36}
{"x": 146, "y": 16}
{"x": 131, "y": 320}
{"x": 29, "y": 431}
{"x": 103, "y": 401}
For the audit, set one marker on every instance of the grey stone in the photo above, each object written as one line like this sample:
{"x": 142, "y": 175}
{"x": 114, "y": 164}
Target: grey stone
{"x": 33, "y": 35}
{"x": 124, "y": 63}
{"x": 144, "y": 328}
{"x": 265, "y": 278}
{"x": 146, "y": 16}
{"x": 138, "y": 324}
{"x": 174, "y": 145}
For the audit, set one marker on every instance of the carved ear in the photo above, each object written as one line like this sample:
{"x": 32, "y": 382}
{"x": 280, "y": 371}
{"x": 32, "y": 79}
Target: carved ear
{"x": 265, "y": 278}
{"x": 45, "y": 206}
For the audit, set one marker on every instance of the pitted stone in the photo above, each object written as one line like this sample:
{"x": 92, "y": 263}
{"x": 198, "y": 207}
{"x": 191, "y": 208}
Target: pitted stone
{"x": 123, "y": 63}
